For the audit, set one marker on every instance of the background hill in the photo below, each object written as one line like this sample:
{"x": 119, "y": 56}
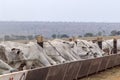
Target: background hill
{"x": 49, "y": 28}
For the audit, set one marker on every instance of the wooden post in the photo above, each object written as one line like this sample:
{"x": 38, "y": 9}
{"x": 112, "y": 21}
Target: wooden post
{"x": 99, "y": 41}
{"x": 115, "y": 46}
{"x": 70, "y": 39}
{"x": 40, "y": 40}
{"x": 74, "y": 38}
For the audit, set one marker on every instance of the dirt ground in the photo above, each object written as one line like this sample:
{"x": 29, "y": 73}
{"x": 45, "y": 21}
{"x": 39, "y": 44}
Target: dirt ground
{"x": 110, "y": 74}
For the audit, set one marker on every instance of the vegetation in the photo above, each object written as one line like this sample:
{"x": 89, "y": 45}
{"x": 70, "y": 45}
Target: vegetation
{"x": 18, "y": 37}
{"x": 115, "y": 33}
{"x": 60, "y": 36}
{"x": 89, "y": 35}
{"x": 64, "y": 36}
{"x": 54, "y": 36}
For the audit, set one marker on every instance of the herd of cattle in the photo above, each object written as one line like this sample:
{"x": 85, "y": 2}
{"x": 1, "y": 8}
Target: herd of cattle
{"x": 16, "y": 56}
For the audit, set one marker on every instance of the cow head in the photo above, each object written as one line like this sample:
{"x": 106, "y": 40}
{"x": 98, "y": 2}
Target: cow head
{"x": 82, "y": 50}
{"x": 17, "y": 54}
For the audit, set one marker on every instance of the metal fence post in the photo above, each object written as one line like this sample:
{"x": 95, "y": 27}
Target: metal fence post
{"x": 115, "y": 46}
{"x": 99, "y": 41}
{"x": 40, "y": 40}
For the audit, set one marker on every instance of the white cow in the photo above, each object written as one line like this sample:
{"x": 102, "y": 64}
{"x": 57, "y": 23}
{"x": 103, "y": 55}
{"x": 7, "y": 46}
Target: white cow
{"x": 5, "y": 68}
{"x": 31, "y": 53}
{"x": 56, "y": 51}
{"x": 95, "y": 49}
{"x": 53, "y": 53}
{"x": 82, "y": 49}
{"x": 88, "y": 49}
{"x": 6, "y": 58}
{"x": 36, "y": 52}
{"x": 107, "y": 45}
{"x": 70, "y": 45}
{"x": 62, "y": 49}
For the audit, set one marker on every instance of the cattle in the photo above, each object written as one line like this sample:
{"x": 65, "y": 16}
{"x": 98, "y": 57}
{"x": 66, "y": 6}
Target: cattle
{"x": 88, "y": 49}
{"x": 32, "y": 54}
{"x": 37, "y": 53}
{"x": 10, "y": 56}
{"x": 21, "y": 56}
{"x": 108, "y": 46}
{"x": 64, "y": 49}
{"x": 53, "y": 53}
{"x": 5, "y": 68}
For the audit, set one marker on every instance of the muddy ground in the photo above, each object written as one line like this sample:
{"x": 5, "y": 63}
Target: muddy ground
{"x": 109, "y": 74}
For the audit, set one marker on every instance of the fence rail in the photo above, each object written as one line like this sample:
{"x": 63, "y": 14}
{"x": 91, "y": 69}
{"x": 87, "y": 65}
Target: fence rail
{"x": 67, "y": 71}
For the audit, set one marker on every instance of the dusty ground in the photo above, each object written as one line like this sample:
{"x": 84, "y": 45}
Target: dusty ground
{"x": 110, "y": 74}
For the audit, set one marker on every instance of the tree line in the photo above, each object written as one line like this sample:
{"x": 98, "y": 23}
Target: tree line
{"x": 89, "y": 34}
{"x": 18, "y": 37}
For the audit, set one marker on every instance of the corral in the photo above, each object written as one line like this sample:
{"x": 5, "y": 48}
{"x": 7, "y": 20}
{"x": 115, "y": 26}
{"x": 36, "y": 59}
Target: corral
{"x": 72, "y": 70}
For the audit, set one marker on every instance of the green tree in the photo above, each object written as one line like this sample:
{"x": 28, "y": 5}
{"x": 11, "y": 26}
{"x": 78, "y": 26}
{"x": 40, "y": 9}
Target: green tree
{"x": 64, "y": 36}
{"x": 89, "y": 35}
{"x": 30, "y": 37}
{"x": 118, "y": 32}
{"x": 113, "y": 33}
{"x": 80, "y": 36}
{"x": 54, "y": 36}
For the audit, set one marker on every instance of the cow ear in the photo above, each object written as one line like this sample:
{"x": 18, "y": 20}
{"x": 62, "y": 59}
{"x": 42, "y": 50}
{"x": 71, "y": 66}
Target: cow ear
{"x": 76, "y": 42}
{"x": 18, "y": 52}
{"x": 64, "y": 42}
{"x": 90, "y": 47}
{"x": 87, "y": 53}
{"x": 13, "y": 49}
{"x": 83, "y": 47}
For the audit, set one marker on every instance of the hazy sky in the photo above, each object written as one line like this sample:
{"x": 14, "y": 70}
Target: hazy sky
{"x": 60, "y": 10}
